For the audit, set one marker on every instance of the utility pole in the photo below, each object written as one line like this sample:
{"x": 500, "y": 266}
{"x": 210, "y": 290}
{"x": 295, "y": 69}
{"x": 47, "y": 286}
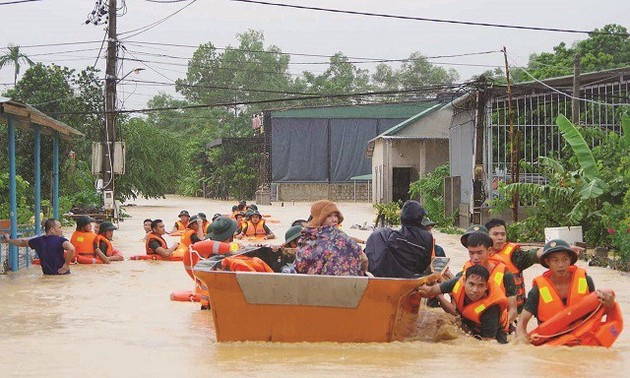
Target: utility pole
{"x": 575, "y": 103}
{"x": 110, "y": 111}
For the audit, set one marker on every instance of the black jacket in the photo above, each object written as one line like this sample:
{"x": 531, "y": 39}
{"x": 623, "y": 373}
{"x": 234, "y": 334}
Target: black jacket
{"x": 403, "y": 253}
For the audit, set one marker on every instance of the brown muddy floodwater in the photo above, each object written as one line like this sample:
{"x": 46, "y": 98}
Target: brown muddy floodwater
{"x": 117, "y": 320}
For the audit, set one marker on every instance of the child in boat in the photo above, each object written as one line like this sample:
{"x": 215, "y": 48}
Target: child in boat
{"x": 103, "y": 244}
{"x": 287, "y": 250}
{"x": 256, "y": 228}
{"x": 563, "y": 285}
{"x": 325, "y": 249}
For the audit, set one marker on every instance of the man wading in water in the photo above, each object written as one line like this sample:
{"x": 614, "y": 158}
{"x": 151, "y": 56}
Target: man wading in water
{"x": 50, "y": 248}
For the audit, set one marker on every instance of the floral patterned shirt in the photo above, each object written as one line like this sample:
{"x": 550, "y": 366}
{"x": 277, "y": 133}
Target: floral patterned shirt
{"x": 329, "y": 251}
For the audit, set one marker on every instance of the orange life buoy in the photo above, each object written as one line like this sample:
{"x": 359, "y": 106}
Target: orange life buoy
{"x": 155, "y": 257}
{"x": 584, "y": 323}
{"x": 185, "y": 296}
{"x": 88, "y": 259}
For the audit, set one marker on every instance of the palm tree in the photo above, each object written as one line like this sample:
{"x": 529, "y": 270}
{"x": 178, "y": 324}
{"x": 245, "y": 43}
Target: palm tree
{"x": 14, "y": 57}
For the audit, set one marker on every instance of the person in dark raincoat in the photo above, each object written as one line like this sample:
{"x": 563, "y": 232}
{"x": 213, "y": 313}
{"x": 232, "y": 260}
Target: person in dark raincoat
{"x": 403, "y": 253}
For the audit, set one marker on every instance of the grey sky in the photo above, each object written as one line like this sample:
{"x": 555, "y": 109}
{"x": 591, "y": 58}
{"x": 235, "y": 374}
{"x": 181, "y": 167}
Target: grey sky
{"x": 300, "y": 31}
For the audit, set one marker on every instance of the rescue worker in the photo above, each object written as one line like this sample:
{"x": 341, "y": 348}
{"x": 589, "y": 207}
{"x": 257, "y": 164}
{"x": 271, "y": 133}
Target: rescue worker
{"x": 204, "y": 223}
{"x": 103, "y": 243}
{"x": 83, "y": 239}
{"x": 478, "y": 300}
{"x": 182, "y": 223}
{"x": 239, "y": 218}
{"x": 428, "y": 225}
{"x": 563, "y": 285}
{"x": 511, "y": 254}
{"x": 479, "y": 245}
{"x": 256, "y": 228}
{"x": 155, "y": 244}
{"x": 193, "y": 232}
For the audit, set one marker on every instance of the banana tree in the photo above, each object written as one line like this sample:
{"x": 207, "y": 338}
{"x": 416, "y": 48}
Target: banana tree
{"x": 569, "y": 196}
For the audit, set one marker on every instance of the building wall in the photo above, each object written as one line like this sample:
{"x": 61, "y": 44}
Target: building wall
{"x": 378, "y": 166}
{"x": 462, "y": 140}
{"x": 423, "y": 156}
{"x": 343, "y": 192}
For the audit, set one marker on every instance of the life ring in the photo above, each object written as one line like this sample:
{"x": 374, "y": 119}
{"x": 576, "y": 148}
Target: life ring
{"x": 88, "y": 260}
{"x": 185, "y": 296}
{"x": 584, "y": 323}
{"x": 155, "y": 257}
{"x": 202, "y": 250}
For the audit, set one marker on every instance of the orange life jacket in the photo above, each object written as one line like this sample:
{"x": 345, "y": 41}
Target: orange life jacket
{"x": 151, "y": 236}
{"x": 101, "y": 238}
{"x": 550, "y": 302}
{"x": 245, "y": 264}
{"x": 496, "y": 275}
{"x": 187, "y": 237}
{"x": 257, "y": 230}
{"x": 83, "y": 242}
{"x": 505, "y": 256}
{"x": 473, "y": 310}
{"x": 204, "y": 227}
{"x": 181, "y": 226}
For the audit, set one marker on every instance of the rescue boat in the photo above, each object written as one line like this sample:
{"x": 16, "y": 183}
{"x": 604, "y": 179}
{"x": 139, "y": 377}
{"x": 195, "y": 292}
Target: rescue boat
{"x": 252, "y": 306}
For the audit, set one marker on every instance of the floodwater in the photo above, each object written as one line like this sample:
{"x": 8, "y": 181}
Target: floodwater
{"x": 117, "y": 320}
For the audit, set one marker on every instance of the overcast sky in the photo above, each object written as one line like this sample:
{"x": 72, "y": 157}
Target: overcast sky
{"x": 299, "y": 31}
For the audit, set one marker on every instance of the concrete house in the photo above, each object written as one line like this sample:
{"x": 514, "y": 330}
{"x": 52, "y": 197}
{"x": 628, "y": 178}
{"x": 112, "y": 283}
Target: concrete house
{"x": 408, "y": 150}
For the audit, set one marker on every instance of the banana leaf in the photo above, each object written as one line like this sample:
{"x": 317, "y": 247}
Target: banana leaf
{"x": 555, "y": 166}
{"x": 582, "y": 151}
{"x": 593, "y": 189}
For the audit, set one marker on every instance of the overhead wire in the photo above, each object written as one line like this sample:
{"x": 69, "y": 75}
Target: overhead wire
{"x": 274, "y": 100}
{"x": 426, "y": 19}
{"x": 570, "y": 96}
{"x": 142, "y": 29}
{"x": 18, "y": 2}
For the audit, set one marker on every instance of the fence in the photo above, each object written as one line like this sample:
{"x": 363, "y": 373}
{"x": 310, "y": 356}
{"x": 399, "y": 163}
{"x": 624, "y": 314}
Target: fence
{"x": 25, "y": 255}
{"x": 535, "y": 109}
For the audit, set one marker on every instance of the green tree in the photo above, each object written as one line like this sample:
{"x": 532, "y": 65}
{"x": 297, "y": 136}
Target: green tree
{"x": 341, "y": 77}
{"x": 154, "y": 161}
{"x": 14, "y": 57}
{"x": 598, "y": 52}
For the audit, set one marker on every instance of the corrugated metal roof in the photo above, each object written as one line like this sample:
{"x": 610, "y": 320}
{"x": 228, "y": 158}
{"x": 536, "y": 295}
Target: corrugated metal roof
{"x": 367, "y": 177}
{"x": 397, "y": 110}
{"x": 27, "y": 116}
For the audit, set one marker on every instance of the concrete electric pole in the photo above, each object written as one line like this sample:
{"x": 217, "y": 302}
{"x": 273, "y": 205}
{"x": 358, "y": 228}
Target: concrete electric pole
{"x": 110, "y": 112}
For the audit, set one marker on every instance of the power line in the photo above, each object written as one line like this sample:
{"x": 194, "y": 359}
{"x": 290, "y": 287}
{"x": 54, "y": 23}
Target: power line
{"x": 437, "y": 20}
{"x": 142, "y": 29}
{"x": 18, "y": 2}
{"x": 364, "y": 61}
{"x": 268, "y": 101}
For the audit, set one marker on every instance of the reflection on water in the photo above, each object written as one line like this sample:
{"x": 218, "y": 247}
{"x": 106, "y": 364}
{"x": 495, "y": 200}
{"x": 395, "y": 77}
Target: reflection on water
{"x": 117, "y": 320}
